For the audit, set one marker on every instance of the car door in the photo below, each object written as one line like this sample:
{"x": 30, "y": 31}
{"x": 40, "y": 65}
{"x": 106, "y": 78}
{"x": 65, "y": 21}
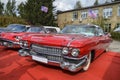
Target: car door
{"x": 101, "y": 41}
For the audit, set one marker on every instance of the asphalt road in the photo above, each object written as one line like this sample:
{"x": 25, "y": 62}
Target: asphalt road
{"x": 114, "y": 46}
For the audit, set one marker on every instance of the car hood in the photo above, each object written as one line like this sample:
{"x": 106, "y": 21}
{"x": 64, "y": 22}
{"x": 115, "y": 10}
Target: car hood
{"x": 59, "y": 39}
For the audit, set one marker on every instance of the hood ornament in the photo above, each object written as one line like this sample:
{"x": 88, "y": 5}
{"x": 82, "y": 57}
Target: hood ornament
{"x": 68, "y": 45}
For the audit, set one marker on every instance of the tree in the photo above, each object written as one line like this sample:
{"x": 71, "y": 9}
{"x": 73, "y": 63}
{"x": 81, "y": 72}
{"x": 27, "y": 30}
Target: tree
{"x": 96, "y": 2}
{"x": 21, "y": 10}
{"x": 10, "y": 8}
{"x": 1, "y": 8}
{"x": 6, "y": 20}
{"x": 77, "y": 5}
{"x": 34, "y": 15}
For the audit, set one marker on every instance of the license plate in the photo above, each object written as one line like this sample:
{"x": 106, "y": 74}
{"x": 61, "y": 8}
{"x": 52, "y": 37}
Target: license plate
{"x": 40, "y": 59}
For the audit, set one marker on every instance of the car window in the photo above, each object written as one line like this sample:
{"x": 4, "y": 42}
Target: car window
{"x": 35, "y": 29}
{"x": 51, "y": 30}
{"x": 18, "y": 28}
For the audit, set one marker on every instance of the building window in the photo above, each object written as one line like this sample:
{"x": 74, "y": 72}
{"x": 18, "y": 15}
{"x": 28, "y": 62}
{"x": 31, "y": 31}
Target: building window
{"x": 84, "y": 15}
{"x": 75, "y": 15}
{"x": 107, "y": 12}
{"x": 119, "y": 11}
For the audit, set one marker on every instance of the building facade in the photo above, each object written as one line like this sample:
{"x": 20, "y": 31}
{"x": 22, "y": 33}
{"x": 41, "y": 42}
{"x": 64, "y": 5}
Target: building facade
{"x": 109, "y": 12}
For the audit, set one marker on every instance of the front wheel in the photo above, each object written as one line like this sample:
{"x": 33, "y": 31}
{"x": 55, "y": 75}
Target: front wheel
{"x": 85, "y": 68}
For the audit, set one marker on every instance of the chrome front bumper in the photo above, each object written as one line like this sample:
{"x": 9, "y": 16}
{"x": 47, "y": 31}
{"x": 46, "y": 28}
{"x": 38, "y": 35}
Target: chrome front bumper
{"x": 8, "y": 43}
{"x": 66, "y": 63}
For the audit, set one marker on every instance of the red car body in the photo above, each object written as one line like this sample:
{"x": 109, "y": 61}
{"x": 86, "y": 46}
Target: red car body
{"x": 11, "y": 39}
{"x": 69, "y": 51}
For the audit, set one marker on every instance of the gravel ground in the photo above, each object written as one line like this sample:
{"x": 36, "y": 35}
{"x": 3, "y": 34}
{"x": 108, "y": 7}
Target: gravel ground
{"x": 115, "y": 46}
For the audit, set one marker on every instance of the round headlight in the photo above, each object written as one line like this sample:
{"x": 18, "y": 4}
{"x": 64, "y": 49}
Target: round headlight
{"x": 75, "y": 52}
{"x": 65, "y": 51}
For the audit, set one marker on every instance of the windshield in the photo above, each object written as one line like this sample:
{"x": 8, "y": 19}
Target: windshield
{"x": 79, "y": 29}
{"x": 10, "y": 26}
{"x": 18, "y": 28}
{"x": 35, "y": 29}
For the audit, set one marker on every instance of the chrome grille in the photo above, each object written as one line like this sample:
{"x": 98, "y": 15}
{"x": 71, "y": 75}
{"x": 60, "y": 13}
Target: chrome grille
{"x": 55, "y": 58}
{"x": 48, "y": 56}
{"x": 51, "y": 53}
{"x": 46, "y": 50}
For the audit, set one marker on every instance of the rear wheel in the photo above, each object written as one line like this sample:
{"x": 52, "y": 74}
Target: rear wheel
{"x": 85, "y": 68}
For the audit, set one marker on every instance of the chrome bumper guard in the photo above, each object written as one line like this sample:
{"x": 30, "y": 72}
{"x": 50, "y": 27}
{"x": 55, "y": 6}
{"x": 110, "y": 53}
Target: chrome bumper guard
{"x": 66, "y": 63}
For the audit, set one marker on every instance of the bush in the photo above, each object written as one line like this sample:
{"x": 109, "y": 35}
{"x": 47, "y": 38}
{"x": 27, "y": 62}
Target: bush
{"x": 115, "y": 35}
{"x": 6, "y": 20}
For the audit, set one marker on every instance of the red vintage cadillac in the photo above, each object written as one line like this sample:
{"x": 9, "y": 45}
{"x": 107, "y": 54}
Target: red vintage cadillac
{"x": 72, "y": 49}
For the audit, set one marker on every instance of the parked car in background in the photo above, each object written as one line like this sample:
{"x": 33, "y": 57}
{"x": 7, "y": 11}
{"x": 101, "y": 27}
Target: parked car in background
{"x": 72, "y": 49}
{"x": 11, "y": 39}
{"x": 117, "y": 29}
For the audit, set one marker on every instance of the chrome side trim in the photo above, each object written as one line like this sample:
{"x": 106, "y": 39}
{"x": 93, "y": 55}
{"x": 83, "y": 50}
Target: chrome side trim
{"x": 6, "y": 40}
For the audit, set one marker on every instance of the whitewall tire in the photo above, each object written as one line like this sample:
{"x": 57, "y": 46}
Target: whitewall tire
{"x": 86, "y": 67}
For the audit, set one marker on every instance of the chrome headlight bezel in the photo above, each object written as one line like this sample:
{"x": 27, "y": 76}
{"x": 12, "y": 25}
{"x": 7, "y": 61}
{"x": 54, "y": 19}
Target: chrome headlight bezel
{"x": 65, "y": 51}
{"x": 75, "y": 52}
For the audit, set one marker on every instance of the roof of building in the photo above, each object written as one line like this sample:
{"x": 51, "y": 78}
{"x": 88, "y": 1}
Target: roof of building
{"x": 83, "y": 8}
